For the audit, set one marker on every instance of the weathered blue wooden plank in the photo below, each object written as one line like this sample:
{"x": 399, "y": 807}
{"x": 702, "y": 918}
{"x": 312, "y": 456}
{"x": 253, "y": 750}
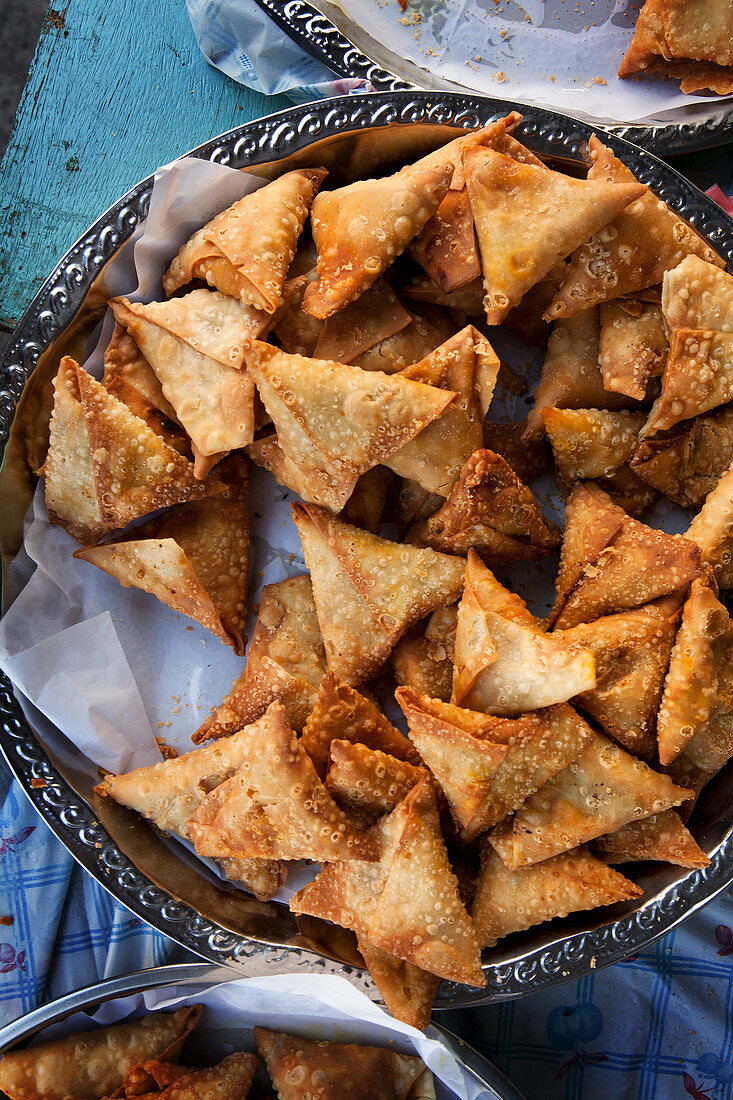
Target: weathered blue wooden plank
{"x": 114, "y": 90}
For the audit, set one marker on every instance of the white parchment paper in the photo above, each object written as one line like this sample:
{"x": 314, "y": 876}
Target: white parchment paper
{"x": 561, "y": 54}
{"x": 312, "y": 1006}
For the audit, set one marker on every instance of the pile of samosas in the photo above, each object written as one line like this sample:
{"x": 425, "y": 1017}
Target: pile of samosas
{"x": 357, "y": 367}
{"x": 141, "y": 1058}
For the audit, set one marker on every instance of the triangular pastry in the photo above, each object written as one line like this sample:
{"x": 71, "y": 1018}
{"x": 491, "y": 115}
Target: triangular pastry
{"x": 700, "y": 31}
{"x": 105, "y": 466}
{"x": 509, "y": 901}
{"x": 708, "y": 751}
{"x": 229, "y": 1080}
{"x": 697, "y": 294}
{"x": 125, "y": 363}
{"x": 333, "y": 421}
{"x": 332, "y": 1071}
{"x": 661, "y": 836}
{"x": 195, "y": 558}
{"x": 342, "y": 714}
{"x": 633, "y": 346}
{"x": 169, "y": 793}
{"x": 504, "y": 662}
{"x": 446, "y": 248}
{"x": 408, "y": 991}
{"x": 633, "y": 251}
{"x": 686, "y": 465}
{"x": 611, "y": 562}
{"x": 490, "y": 511}
{"x": 468, "y": 366}
{"x": 590, "y": 525}
{"x": 96, "y": 1061}
{"x": 712, "y": 530}
{"x": 195, "y": 345}
{"x": 571, "y": 377}
{"x": 246, "y": 250}
{"x": 632, "y": 651}
{"x": 368, "y": 781}
{"x": 275, "y": 806}
{"x": 168, "y": 430}
{"x": 408, "y": 903}
{"x": 699, "y": 683}
{"x": 528, "y": 218}
{"x": 488, "y": 766}
{"x": 698, "y": 376}
{"x": 368, "y": 590}
{"x": 423, "y": 658}
{"x": 372, "y": 318}
{"x": 409, "y": 345}
{"x": 603, "y": 789}
{"x": 591, "y": 443}
{"x": 361, "y": 228}
{"x": 285, "y": 662}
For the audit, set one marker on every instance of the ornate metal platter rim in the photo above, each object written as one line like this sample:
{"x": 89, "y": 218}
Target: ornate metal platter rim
{"x": 54, "y": 307}
{"x": 336, "y": 47}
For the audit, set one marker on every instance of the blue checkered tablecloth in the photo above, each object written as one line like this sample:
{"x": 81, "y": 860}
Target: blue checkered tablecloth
{"x": 657, "y": 1026}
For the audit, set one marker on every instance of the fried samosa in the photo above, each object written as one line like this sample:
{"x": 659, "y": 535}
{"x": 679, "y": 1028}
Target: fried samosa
{"x": 361, "y": 228}
{"x": 368, "y": 590}
{"x": 334, "y": 422}
{"x": 632, "y": 651}
{"x": 528, "y": 218}
{"x": 661, "y": 836}
{"x": 632, "y": 250}
{"x": 504, "y": 663}
{"x": 511, "y": 900}
{"x": 408, "y": 903}
{"x": 333, "y": 1071}
{"x": 603, "y": 789}
{"x": 699, "y": 684}
{"x": 105, "y": 466}
{"x": 342, "y": 714}
{"x": 246, "y": 250}
{"x": 468, "y": 366}
{"x": 275, "y": 806}
{"x": 490, "y": 511}
{"x": 194, "y": 558}
{"x": 610, "y": 562}
{"x": 91, "y": 1064}
{"x": 712, "y": 530}
{"x": 488, "y": 766}
{"x": 285, "y": 662}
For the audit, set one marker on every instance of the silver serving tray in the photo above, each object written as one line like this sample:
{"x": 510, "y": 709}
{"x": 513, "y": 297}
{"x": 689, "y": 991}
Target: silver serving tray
{"x": 352, "y": 134}
{"x": 478, "y": 1070}
{"x": 325, "y": 31}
